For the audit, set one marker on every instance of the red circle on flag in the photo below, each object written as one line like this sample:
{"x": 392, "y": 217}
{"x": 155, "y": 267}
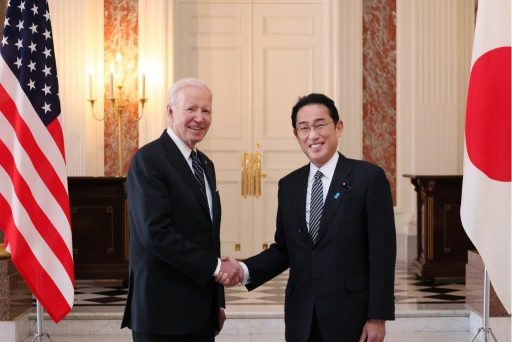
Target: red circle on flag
{"x": 488, "y": 114}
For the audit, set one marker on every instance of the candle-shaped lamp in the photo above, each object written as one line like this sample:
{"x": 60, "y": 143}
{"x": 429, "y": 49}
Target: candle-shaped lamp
{"x": 112, "y": 80}
{"x": 143, "y": 86}
{"x": 142, "y": 99}
{"x": 90, "y": 86}
{"x": 112, "y": 84}
{"x": 91, "y": 99}
{"x": 119, "y": 69}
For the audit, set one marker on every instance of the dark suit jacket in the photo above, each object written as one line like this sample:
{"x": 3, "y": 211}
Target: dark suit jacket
{"x": 174, "y": 244}
{"x": 348, "y": 276}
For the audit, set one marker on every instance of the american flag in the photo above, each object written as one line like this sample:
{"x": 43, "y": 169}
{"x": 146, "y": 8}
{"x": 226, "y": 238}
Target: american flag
{"x": 34, "y": 202}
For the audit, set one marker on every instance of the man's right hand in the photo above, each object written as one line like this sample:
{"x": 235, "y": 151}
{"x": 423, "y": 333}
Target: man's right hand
{"x": 231, "y": 273}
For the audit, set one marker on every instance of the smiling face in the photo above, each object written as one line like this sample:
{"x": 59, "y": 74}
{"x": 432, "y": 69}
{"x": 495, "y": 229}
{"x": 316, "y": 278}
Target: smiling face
{"x": 320, "y": 142}
{"x": 190, "y": 114}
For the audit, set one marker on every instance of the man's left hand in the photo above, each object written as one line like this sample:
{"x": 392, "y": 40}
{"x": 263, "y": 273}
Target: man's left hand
{"x": 222, "y": 319}
{"x": 374, "y": 330}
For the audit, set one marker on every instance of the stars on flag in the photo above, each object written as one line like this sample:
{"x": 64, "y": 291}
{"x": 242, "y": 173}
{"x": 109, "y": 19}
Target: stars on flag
{"x": 27, "y": 48}
{"x": 46, "y": 107}
{"x": 30, "y": 84}
{"x": 33, "y": 28}
{"x": 46, "y": 34}
{"x": 32, "y": 65}
{"x": 32, "y": 47}
{"x": 34, "y": 9}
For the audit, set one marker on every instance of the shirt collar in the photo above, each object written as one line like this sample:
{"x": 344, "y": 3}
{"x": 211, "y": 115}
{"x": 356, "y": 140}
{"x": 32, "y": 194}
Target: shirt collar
{"x": 184, "y": 149}
{"x": 327, "y": 169}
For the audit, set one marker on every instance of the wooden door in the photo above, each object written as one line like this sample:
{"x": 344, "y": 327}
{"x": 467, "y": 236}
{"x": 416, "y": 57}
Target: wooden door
{"x": 257, "y": 59}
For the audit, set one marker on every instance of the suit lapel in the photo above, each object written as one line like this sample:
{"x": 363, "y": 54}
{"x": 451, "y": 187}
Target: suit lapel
{"x": 340, "y": 184}
{"x": 299, "y": 204}
{"x": 210, "y": 177}
{"x": 181, "y": 165}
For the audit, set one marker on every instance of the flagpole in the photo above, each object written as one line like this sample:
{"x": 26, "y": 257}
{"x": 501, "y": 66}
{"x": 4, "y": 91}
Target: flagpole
{"x": 484, "y": 329}
{"x": 38, "y": 337}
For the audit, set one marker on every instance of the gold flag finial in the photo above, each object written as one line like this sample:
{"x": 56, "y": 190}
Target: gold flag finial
{"x": 3, "y": 253}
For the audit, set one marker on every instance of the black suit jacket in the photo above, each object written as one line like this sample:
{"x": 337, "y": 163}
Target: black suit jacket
{"x": 347, "y": 277}
{"x": 174, "y": 244}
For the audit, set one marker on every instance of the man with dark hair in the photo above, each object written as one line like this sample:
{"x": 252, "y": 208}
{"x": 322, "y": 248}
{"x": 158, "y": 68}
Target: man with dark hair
{"x": 336, "y": 233}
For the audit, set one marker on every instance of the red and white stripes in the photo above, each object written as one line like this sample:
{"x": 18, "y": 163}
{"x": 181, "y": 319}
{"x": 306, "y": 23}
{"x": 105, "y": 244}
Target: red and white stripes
{"x": 34, "y": 202}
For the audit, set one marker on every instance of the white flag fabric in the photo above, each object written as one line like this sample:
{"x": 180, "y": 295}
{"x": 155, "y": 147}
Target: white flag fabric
{"x": 485, "y": 206}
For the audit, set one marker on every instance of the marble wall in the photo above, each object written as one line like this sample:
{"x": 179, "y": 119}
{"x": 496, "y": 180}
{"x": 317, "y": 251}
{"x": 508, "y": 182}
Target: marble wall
{"x": 121, "y": 37}
{"x": 379, "y": 86}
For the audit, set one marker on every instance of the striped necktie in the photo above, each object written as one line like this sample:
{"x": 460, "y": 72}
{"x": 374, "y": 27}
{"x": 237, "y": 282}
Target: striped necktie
{"x": 316, "y": 206}
{"x": 198, "y": 172}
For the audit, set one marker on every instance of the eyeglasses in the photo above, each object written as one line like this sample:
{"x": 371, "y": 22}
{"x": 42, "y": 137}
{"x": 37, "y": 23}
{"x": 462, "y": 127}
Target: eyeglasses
{"x": 319, "y": 127}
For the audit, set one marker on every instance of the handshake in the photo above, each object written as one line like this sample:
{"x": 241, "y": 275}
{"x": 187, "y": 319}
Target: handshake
{"x": 231, "y": 272}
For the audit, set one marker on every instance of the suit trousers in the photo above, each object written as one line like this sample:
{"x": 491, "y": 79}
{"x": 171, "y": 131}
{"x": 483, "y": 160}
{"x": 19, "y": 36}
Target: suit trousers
{"x": 314, "y": 332}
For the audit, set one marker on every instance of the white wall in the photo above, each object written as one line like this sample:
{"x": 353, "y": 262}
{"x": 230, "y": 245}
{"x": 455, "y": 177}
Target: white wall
{"x": 78, "y": 38}
{"x": 434, "y": 40}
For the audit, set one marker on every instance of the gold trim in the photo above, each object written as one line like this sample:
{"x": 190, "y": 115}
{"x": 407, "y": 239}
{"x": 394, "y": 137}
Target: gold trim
{"x": 251, "y": 174}
{"x": 3, "y": 253}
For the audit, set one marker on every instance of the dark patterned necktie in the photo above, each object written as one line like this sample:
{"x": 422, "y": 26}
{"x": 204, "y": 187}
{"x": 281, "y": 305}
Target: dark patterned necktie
{"x": 316, "y": 206}
{"x": 198, "y": 172}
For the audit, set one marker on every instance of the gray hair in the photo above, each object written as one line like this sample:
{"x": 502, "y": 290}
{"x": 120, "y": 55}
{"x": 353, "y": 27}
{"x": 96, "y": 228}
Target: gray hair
{"x": 172, "y": 96}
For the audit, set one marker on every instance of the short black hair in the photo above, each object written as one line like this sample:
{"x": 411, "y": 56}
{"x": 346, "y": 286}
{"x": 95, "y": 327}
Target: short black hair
{"x": 315, "y": 98}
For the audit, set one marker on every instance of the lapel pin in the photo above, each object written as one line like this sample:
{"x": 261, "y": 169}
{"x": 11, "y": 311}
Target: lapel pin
{"x": 337, "y": 195}
{"x": 346, "y": 186}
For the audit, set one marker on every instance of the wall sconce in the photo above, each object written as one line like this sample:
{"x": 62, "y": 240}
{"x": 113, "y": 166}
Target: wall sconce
{"x": 116, "y": 98}
{"x": 251, "y": 174}
{"x": 91, "y": 98}
{"x": 118, "y": 101}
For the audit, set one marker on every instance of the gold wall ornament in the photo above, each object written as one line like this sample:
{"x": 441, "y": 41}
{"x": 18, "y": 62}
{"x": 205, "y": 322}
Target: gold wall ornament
{"x": 3, "y": 253}
{"x": 119, "y": 98}
{"x": 251, "y": 174}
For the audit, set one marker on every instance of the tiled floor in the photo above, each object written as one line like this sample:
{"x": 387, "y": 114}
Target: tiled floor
{"x": 408, "y": 290}
{"x": 426, "y": 311}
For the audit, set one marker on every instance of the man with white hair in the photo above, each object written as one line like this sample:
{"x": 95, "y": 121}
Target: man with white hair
{"x": 174, "y": 214}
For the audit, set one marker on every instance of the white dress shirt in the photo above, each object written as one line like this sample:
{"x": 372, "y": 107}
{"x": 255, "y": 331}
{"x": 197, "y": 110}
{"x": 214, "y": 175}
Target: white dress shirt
{"x": 185, "y": 150}
{"x": 328, "y": 172}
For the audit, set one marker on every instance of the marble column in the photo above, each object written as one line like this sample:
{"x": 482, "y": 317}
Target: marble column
{"x": 121, "y": 37}
{"x": 379, "y": 86}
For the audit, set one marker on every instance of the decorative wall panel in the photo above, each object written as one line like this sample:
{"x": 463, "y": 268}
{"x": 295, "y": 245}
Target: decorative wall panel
{"x": 379, "y": 86}
{"x": 121, "y": 37}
